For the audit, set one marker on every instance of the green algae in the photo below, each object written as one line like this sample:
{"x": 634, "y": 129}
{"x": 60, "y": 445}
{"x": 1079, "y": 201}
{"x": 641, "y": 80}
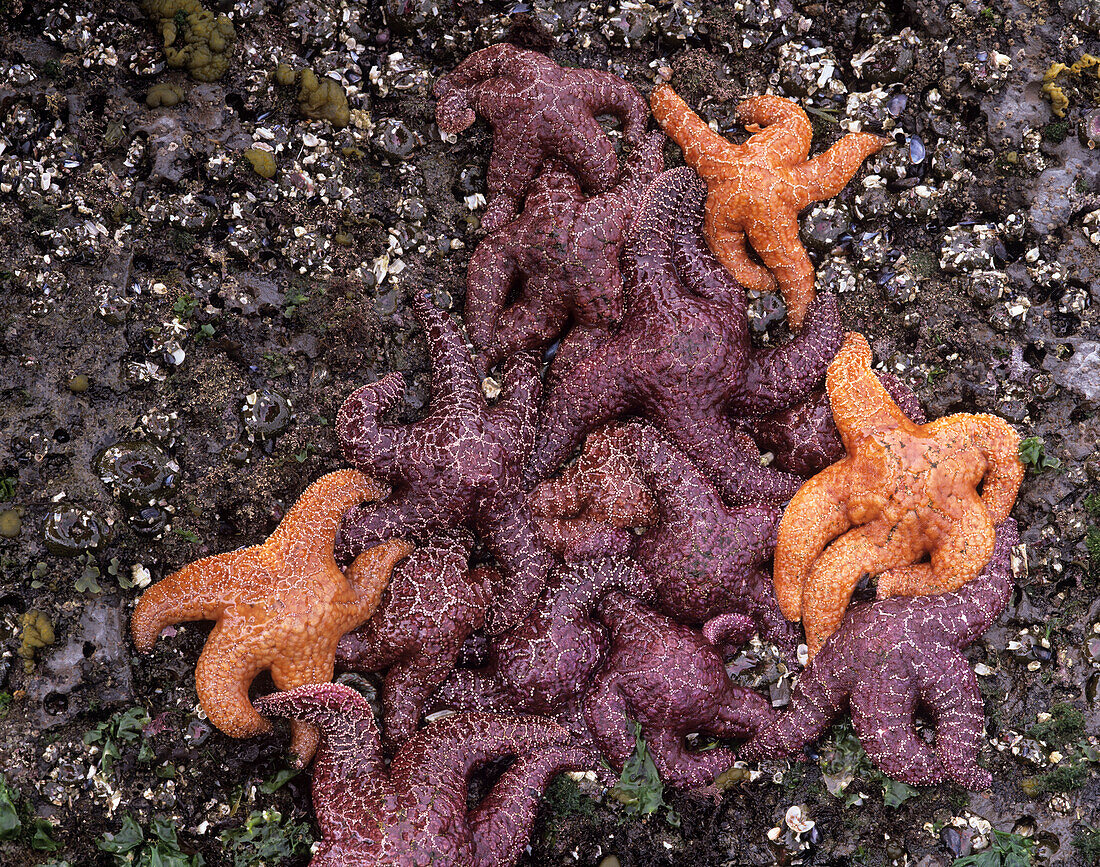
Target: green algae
{"x": 195, "y": 39}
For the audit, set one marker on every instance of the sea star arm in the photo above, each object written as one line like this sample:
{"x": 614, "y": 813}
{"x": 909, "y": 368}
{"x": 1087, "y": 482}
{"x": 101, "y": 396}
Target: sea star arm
{"x": 774, "y": 238}
{"x": 490, "y": 277}
{"x": 683, "y": 768}
{"x": 727, "y": 238}
{"x": 605, "y": 93}
{"x": 704, "y": 150}
{"x": 223, "y": 674}
{"x": 605, "y": 714}
{"x": 518, "y": 406}
{"x": 950, "y": 690}
{"x": 500, "y": 824}
{"x": 454, "y": 109}
{"x": 348, "y": 756}
{"x": 882, "y": 708}
{"x": 828, "y": 173}
{"x": 454, "y": 379}
{"x": 514, "y": 163}
{"x": 509, "y": 533}
{"x": 965, "y": 548}
{"x": 780, "y": 376}
{"x": 369, "y": 574}
{"x": 816, "y": 515}
{"x": 199, "y": 591}
{"x": 859, "y": 400}
{"x": 364, "y": 439}
{"x": 732, "y": 460}
{"x": 866, "y": 550}
{"x": 1000, "y": 445}
{"x": 312, "y": 521}
{"x": 402, "y": 514}
{"x": 595, "y": 392}
{"x": 778, "y": 126}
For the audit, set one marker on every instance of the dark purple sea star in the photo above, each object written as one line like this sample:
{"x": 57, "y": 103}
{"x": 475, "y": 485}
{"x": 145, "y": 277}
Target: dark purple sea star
{"x": 562, "y": 253}
{"x": 587, "y": 511}
{"x": 706, "y": 558}
{"x": 804, "y": 438}
{"x": 460, "y": 465}
{"x": 537, "y": 109}
{"x": 414, "y": 813}
{"x": 891, "y": 657}
{"x": 672, "y": 681}
{"x": 548, "y": 659}
{"x": 682, "y": 355}
{"x": 433, "y": 602}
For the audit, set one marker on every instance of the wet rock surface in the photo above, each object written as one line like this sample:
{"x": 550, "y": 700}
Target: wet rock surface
{"x": 177, "y": 333}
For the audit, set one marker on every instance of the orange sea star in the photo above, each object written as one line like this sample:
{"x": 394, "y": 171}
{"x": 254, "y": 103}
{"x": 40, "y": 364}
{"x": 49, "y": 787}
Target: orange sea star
{"x": 902, "y": 492}
{"x": 757, "y": 189}
{"x": 282, "y": 605}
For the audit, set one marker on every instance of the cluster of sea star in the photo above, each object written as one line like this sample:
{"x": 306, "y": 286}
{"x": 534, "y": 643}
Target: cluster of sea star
{"x": 620, "y": 584}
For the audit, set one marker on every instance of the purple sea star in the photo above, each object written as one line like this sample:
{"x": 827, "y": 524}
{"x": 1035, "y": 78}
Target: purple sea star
{"x": 804, "y": 438}
{"x": 672, "y": 681}
{"x": 706, "y": 558}
{"x": 414, "y": 813}
{"x": 537, "y": 109}
{"x": 682, "y": 355}
{"x": 562, "y": 253}
{"x": 460, "y": 465}
{"x": 548, "y": 659}
{"x": 890, "y": 657}
{"x": 433, "y": 602}
{"x": 587, "y": 511}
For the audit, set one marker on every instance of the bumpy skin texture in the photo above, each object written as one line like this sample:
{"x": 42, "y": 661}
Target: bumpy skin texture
{"x": 902, "y": 492}
{"x": 672, "y": 682}
{"x": 804, "y": 439}
{"x": 682, "y": 357}
{"x": 460, "y": 465}
{"x": 758, "y": 188}
{"x": 537, "y": 109}
{"x": 706, "y": 558}
{"x": 432, "y": 604}
{"x": 548, "y": 659}
{"x": 588, "y": 510}
{"x": 413, "y": 813}
{"x": 563, "y": 254}
{"x": 890, "y": 657}
{"x": 282, "y": 605}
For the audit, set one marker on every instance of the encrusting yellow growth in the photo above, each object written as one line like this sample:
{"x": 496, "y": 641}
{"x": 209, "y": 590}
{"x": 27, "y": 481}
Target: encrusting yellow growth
{"x": 164, "y": 94}
{"x": 318, "y": 98}
{"x": 37, "y": 633}
{"x": 263, "y": 162}
{"x": 195, "y": 39}
{"x": 1059, "y": 102}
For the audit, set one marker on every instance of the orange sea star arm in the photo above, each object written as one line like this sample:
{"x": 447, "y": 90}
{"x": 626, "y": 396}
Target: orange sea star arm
{"x": 704, "y": 150}
{"x": 828, "y": 173}
{"x": 1001, "y": 446}
{"x": 866, "y": 550}
{"x": 858, "y": 399}
{"x": 816, "y": 515}
{"x": 778, "y": 125}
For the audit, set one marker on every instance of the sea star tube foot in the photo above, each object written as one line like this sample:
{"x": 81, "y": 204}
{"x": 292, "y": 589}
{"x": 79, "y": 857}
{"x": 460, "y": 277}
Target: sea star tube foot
{"x": 891, "y": 657}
